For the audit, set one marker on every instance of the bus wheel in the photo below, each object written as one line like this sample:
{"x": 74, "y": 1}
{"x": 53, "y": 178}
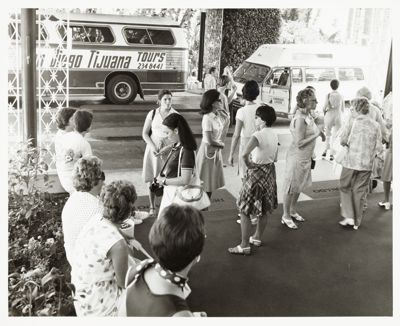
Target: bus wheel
{"x": 121, "y": 89}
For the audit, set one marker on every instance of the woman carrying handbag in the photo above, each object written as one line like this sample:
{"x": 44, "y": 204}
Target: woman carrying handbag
{"x": 177, "y": 130}
{"x": 156, "y": 142}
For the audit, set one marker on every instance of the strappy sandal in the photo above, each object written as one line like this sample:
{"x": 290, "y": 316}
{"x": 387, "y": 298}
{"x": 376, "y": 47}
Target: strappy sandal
{"x": 238, "y": 250}
{"x": 289, "y": 223}
{"x": 298, "y": 217}
{"x": 255, "y": 242}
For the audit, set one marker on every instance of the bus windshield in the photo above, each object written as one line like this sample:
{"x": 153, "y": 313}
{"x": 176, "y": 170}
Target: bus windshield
{"x": 250, "y": 71}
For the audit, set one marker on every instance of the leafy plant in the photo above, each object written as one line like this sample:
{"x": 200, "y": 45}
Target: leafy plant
{"x": 38, "y": 269}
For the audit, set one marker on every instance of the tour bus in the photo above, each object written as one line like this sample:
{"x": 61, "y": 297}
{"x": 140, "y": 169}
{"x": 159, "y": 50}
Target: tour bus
{"x": 113, "y": 55}
{"x": 282, "y": 70}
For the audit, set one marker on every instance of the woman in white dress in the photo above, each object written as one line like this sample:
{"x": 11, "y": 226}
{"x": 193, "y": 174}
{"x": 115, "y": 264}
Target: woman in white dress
{"x": 245, "y": 124}
{"x": 209, "y": 158}
{"x": 73, "y": 146}
{"x": 155, "y": 140}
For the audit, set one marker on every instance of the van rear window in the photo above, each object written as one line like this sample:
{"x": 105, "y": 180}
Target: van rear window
{"x": 351, "y": 74}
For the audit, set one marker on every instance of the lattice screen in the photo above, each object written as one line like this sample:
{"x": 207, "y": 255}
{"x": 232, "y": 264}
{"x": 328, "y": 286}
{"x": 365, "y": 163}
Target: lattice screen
{"x": 15, "y": 116}
{"x": 52, "y": 76}
{"x": 53, "y": 79}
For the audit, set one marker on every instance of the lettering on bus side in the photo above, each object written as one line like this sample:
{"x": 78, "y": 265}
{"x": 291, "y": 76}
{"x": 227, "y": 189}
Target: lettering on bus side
{"x": 98, "y": 59}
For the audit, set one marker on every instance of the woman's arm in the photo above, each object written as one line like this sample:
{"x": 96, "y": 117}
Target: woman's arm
{"x": 145, "y": 133}
{"x": 232, "y": 93}
{"x": 253, "y": 143}
{"x": 118, "y": 254}
{"x": 182, "y": 180}
{"x": 211, "y": 141}
{"x": 235, "y": 140}
{"x": 300, "y": 132}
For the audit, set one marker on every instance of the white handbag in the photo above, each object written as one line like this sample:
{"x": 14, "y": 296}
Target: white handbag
{"x": 192, "y": 194}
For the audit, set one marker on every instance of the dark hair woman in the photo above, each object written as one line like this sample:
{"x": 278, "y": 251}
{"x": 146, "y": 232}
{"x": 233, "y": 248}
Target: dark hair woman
{"x": 181, "y": 159}
{"x": 258, "y": 195}
{"x": 209, "y": 158}
{"x": 156, "y": 141}
{"x": 245, "y": 123}
{"x": 158, "y": 288}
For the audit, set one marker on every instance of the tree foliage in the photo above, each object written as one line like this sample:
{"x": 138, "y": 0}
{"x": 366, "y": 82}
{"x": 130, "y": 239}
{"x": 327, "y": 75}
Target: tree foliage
{"x": 245, "y": 30}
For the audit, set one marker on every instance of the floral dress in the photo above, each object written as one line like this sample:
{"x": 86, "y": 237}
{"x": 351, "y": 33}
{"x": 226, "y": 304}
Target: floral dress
{"x": 93, "y": 275}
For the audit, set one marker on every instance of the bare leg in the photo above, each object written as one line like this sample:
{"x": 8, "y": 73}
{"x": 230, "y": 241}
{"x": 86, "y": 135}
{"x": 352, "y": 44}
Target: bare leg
{"x": 293, "y": 203}
{"x": 262, "y": 223}
{"x": 245, "y": 227}
{"x": 287, "y": 200}
{"x": 386, "y": 189}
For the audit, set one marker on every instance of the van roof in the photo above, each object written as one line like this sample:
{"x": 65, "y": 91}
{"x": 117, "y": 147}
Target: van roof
{"x": 118, "y": 19}
{"x": 313, "y": 55}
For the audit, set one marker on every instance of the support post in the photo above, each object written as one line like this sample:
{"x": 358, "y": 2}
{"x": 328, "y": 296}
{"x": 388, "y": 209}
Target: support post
{"x": 28, "y": 46}
{"x": 201, "y": 48}
{"x": 388, "y": 84}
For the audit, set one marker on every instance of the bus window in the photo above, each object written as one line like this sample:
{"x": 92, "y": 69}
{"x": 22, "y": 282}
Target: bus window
{"x": 297, "y": 75}
{"x": 89, "y": 34}
{"x": 319, "y": 74}
{"x": 351, "y": 74}
{"x": 137, "y": 36}
{"x": 161, "y": 37}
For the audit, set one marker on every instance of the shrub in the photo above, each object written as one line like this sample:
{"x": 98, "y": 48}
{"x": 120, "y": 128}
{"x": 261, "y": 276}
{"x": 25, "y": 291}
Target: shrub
{"x": 244, "y": 30}
{"x": 38, "y": 269}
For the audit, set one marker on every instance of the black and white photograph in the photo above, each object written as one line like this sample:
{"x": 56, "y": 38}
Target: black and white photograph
{"x": 227, "y": 161}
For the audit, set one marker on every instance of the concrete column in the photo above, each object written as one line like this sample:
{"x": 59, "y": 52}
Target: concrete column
{"x": 28, "y": 46}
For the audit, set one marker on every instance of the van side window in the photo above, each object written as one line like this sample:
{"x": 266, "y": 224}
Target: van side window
{"x": 351, "y": 74}
{"x": 279, "y": 77}
{"x": 320, "y": 74}
{"x": 89, "y": 34}
{"x": 297, "y": 75}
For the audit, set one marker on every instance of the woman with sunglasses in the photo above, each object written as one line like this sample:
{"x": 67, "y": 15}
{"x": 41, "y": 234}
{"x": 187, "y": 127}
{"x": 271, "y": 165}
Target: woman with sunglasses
{"x": 209, "y": 157}
{"x": 298, "y": 158}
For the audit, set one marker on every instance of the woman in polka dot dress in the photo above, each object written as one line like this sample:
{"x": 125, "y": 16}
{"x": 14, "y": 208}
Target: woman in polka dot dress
{"x": 158, "y": 288}
{"x": 99, "y": 264}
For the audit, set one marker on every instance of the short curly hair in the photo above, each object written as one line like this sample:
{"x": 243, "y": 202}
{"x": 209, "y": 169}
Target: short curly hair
{"x": 63, "y": 116}
{"x": 87, "y": 173}
{"x": 302, "y": 96}
{"x": 360, "y": 104}
{"x": 118, "y": 198}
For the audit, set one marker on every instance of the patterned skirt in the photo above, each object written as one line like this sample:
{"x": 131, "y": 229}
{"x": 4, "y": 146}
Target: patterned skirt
{"x": 259, "y": 192}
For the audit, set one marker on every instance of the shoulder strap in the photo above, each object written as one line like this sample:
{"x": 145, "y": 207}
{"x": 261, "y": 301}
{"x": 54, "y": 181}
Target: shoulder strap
{"x": 154, "y": 113}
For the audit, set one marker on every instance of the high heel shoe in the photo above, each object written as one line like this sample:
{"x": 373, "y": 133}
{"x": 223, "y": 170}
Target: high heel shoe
{"x": 289, "y": 223}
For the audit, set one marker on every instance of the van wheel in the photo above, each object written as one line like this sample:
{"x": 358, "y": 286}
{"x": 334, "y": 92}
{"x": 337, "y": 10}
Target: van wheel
{"x": 121, "y": 89}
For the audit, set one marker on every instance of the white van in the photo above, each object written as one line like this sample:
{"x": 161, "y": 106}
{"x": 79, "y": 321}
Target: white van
{"x": 282, "y": 70}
